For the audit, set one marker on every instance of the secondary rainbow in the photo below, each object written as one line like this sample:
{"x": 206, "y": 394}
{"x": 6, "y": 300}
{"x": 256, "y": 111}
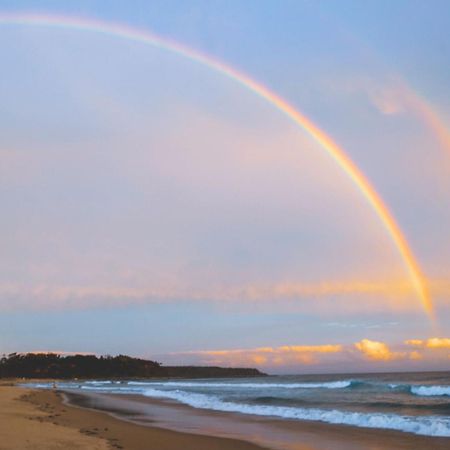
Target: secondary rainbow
{"x": 332, "y": 148}
{"x": 430, "y": 117}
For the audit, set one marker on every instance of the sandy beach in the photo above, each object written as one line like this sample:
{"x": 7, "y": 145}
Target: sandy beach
{"x": 26, "y": 425}
{"x": 45, "y": 419}
{"x": 38, "y": 420}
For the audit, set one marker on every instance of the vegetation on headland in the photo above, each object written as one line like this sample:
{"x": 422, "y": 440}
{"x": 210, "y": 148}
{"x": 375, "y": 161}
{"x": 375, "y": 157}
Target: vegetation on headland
{"x": 51, "y": 365}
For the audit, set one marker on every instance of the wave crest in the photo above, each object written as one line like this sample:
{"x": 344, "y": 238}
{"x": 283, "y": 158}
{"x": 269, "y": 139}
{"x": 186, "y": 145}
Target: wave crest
{"x": 429, "y": 391}
{"x": 428, "y": 426}
{"x": 326, "y": 385}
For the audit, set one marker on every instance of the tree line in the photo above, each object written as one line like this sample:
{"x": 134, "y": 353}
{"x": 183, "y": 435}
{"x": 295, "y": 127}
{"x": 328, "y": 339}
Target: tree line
{"x": 51, "y": 365}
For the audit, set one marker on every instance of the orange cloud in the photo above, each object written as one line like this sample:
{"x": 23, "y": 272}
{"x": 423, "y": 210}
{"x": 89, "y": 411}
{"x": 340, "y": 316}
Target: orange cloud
{"x": 267, "y": 356}
{"x": 347, "y": 296}
{"x": 438, "y": 343}
{"x": 310, "y": 348}
{"x": 433, "y": 343}
{"x": 50, "y": 296}
{"x": 415, "y": 342}
{"x": 298, "y": 355}
{"x": 377, "y": 351}
{"x": 380, "y": 351}
{"x": 415, "y": 355}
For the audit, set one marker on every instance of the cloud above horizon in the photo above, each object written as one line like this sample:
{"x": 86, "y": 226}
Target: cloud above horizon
{"x": 379, "y": 351}
{"x": 323, "y": 298}
{"x": 286, "y": 356}
{"x": 433, "y": 343}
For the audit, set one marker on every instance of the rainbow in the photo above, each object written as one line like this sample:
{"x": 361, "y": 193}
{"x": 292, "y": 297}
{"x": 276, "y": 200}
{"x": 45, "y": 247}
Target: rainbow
{"x": 430, "y": 117}
{"x": 332, "y": 148}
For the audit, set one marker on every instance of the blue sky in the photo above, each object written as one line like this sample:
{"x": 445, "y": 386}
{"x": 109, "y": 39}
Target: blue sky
{"x": 155, "y": 207}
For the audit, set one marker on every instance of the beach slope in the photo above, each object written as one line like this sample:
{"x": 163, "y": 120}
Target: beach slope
{"x": 39, "y": 420}
{"x": 25, "y": 426}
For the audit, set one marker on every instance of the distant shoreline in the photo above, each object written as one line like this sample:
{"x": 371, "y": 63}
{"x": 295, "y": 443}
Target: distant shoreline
{"x": 90, "y": 367}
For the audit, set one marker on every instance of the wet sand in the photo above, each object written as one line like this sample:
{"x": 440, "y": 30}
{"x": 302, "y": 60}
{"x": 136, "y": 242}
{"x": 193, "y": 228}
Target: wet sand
{"x": 43, "y": 419}
{"x": 40, "y": 420}
{"x": 266, "y": 432}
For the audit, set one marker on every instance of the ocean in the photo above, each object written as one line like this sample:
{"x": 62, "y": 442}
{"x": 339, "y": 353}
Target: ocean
{"x": 416, "y": 403}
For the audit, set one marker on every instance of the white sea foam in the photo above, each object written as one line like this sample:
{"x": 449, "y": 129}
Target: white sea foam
{"x": 112, "y": 389}
{"x": 106, "y": 385}
{"x": 429, "y": 425}
{"x": 325, "y": 385}
{"x": 36, "y": 385}
{"x": 429, "y": 391}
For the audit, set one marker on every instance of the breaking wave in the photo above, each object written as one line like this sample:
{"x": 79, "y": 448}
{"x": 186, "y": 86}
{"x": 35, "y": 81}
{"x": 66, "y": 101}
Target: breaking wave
{"x": 424, "y": 425}
{"x": 325, "y": 385}
{"x": 429, "y": 391}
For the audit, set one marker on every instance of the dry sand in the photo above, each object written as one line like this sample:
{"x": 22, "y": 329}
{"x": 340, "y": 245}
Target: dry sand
{"x": 24, "y": 426}
{"x": 38, "y": 420}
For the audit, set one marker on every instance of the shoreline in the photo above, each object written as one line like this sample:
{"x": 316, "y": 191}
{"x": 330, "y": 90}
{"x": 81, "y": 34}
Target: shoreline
{"x": 267, "y": 432}
{"x": 135, "y": 422}
{"x": 40, "y": 419}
